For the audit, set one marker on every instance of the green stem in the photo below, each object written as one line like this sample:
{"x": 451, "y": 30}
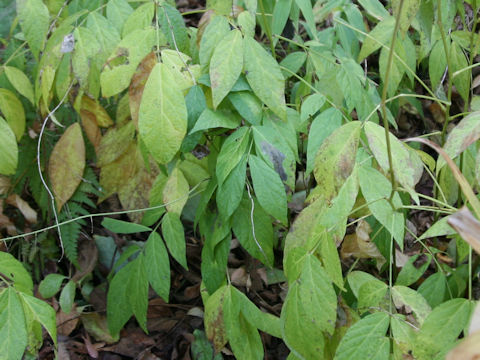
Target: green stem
{"x": 384, "y": 98}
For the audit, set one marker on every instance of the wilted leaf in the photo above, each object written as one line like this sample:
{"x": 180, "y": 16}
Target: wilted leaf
{"x": 67, "y": 162}
{"x": 29, "y": 214}
{"x": 214, "y": 323}
{"x": 115, "y": 143}
{"x": 93, "y": 107}
{"x": 467, "y": 226}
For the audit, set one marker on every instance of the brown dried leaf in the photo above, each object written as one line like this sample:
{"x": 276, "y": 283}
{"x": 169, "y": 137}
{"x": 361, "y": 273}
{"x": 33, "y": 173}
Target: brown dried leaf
{"x": 90, "y": 126}
{"x": 67, "y": 163}
{"x": 66, "y": 323}
{"x": 137, "y": 84}
{"x": 360, "y": 246}
{"x": 468, "y": 349}
{"x": 96, "y": 325}
{"x": 114, "y": 143}
{"x": 101, "y": 116}
{"x": 29, "y": 214}
{"x": 467, "y": 226}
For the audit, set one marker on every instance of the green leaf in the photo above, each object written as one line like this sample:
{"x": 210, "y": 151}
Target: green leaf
{"x": 407, "y": 165}
{"x": 242, "y": 335}
{"x": 280, "y": 16}
{"x": 14, "y": 270}
{"x": 114, "y": 143}
{"x": 356, "y": 279}
{"x": 307, "y": 12}
{"x": 409, "y": 10}
{"x": 375, "y": 8}
{"x": 465, "y": 133}
{"x": 230, "y": 191}
{"x": 397, "y": 69}
{"x": 351, "y": 80}
{"x": 441, "y": 328}
{"x": 366, "y": 339}
{"x": 86, "y": 47}
{"x": 411, "y": 272}
{"x": 459, "y": 62}
{"x": 8, "y": 149}
{"x": 175, "y": 192}
{"x": 210, "y": 119}
{"x": 265, "y": 78}
{"x": 256, "y": 238}
{"x": 404, "y": 296}
{"x": 137, "y": 291}
{"x": 376, "y": 189}
{"x": 123, "y": 227}
{"x": 12, "y": 109}
{"x": 247, "y": 105}
{"x": 105, "y": 34}
{"x": 50, "y": 285}
{"x": 13, "y": 330}
{"x": 268, "y": 188}
{"x": 381, "y": 34}
{"x": 246, "y": 22}
{"x": 293, "y": 62}
{"x": 215, "y": 31}
{"x": 140, "y": 19}
{"x": 122, "y": 63}
{"x": 440, "y": 228}
{"x": 173, "y": 233}
{"x": 437, "y": 63}
{"x": 119, "y": 309}
{"x": 201, "y": 347}
{"x": 433, "y": 289}
{"x": 118, "y": 12}
{"x": 67, "y": 297}
{"x": 226, "y": 65}
{"x": 371, "y": 294}
{"x": 34, "y": 21}
{"x": 157, "y": 265}
{"x": 330, "y": 258}
{"x": 232, "y": 151}
{"x": 20, "y": 82}
{"x": 43, "y": 313}
{"x": 213, "y": 319}
{"x": 310, "y": 309}
{"x": 322, "y": 127}
{"x": 162, "y": 119}
{"x": 173, "y": 26}
{"x": 335, "y": 159}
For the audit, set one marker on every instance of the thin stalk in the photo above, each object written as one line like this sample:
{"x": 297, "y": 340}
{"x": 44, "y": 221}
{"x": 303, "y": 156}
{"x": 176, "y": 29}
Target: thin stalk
{"x": 384, "y": 98}
{"x": 267, "y": 28}
{"x": 449, "y": 66}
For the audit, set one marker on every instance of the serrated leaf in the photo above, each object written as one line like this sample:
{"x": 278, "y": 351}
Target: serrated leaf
{"x": 335, "y": 159}
{"x": 366, "y": 339}
{"x": 67, "y": 163}
{"x": 441, "y": 328}
{"x": 268, "y": 188}
{"x": 157, "y": 265}
{"x": 255, "y": 233}
{"x": 137, "y": 291}
{"x": 42, "y": 312}
{"x": 163, "y": 115}
{"x": 175, "y": 192}
{"x": 14, "y": 270}
{"x": 465, "y": 133}
{"x": 404, "y": 296}
{"x": 123, "y": 227}
{"x": 13, "y": 330}
{"x": 264, "y": 76}
{"x": 407, "y": 165}
{"x": 376, "y": 189}
{"x": 8, "y": 149}
{"x": 215, "y": 31}
{"x": 226, "y": 65}
{"x": 20, "y": 82}
{"x": 13, "y": 111}
{"x": 309, "y": 310}
{"x": 50, "y": 285}
{"x": 173, "y": 233}
{"x": 34, "y": 21}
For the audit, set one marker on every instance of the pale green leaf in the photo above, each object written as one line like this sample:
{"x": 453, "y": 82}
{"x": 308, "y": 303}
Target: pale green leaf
{"x": 34, "y": 21}
{"x": 280, "y": 16}
{"x": 213, "y": 319}
{"x": 43, "y": 313}
{"x": 226, "y": 65}
{"x": 371, "y": 294}
{"x": 13, "y": 330}
{"x": 175, "y": 192}
{"x": 157, "y": 265}
{"x": 20, "y": 82}
{"x": 86, "y": 47}
{"x": 376, "y": 189}
{"x": 268, "y": 188}
{"x": 356, "y": 279}
{"x": 412, "y": 300}
{"x": 293, "y": 62}
{"x": 246, "y": 22}
{"x": 309, "y": 310}
{"x": 106, "y": 35}
{"x": 163, "y": 115}
{"x": 439, "y": 228}
{"x": 13, "y": 111}
{"x": 264, "y": 76}
{"x": 50, "y": 285}
{"x": 366, "y": 339}
{"x": 335, "y": 159}
{"x": 210, "y": 119}
{"x": 215, "y": 31}
{"x": 14, "y": 270}
{"x": 67, "y": 297}
{"x": 375, "y": 8}
{"x": 409, "y": 10}
{"x": 8, "y": 149}
{"x": 114, "y": 143}
{"x": 380, "y": 35}
{"x": 330, "y": 258}
{"x": 173, "y": 233}
{"x": 123, "y": 227}
{"x": 141, "y": 18}
{"x": 118, "y": 12}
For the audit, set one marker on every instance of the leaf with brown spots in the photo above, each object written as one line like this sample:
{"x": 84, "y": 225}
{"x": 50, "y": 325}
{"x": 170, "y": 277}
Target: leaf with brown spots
{"x": 214, "y": 323}
{"x": 92, "y": 106}
{"x": 67, "y": 163}
{"x": 135, "y": 91}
